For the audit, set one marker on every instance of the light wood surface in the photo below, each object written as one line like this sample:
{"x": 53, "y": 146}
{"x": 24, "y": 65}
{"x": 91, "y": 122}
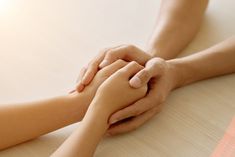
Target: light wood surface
{"x": 43, "y": 45}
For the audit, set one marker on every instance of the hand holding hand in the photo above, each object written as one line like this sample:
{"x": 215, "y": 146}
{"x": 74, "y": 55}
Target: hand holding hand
{"x": 162, "y": 79}
{"x": 107, "y": 57}
{"x": 90, "y": 91}
{"x": 159, "y": 74}
{"x": 116, "y": 93}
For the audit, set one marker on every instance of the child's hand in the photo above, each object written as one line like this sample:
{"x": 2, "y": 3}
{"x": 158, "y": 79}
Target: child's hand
{"x": 101, "y": 76}
{"x": 116, "y": 93}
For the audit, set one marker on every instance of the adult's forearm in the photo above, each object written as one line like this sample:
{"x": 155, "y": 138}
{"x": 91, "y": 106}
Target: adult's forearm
{"x": 23, "y": 122}
{"x": 177, "y": 24}
{"x": 215, "y": 61}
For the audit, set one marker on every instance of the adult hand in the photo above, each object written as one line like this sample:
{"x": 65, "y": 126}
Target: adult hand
{"x": 115, "y": 92}
{"x": 162, "y": 79}
{"x": 157, "y": 72}
{"x": 100, "y": 77}
{"x": 108, "y": 56}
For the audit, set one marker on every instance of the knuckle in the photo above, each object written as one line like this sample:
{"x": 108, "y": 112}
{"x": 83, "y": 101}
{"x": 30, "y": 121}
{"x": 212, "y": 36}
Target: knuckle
{"x": 159, "y": 63}
{"x": 111, "y": 53}
{"x": 121, "y": 62}
{"x": 94, "y": 63}
{"x": 130, "y": 47}
{"x": 93, "y": 66}
{"x": 144, "y": 75}
{"x": 137, "y": 111}
{"x": 158, "y": 59}
{"x": 134, "y": 64}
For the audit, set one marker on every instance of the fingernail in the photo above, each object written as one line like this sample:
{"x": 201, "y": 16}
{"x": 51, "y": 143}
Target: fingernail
{"x": 70, "y": 92}
{"x": 104, "y": 63}
{"x": 80, "y": 88}
{"x": 135, "y": 82}
{"x": 84, "y": 80}
{"x": 114, "y": 121}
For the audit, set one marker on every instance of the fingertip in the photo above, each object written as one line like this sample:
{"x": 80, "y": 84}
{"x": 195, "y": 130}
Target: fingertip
{"x": 113, "y": 119}
{"x": 135, "y": 82}
{"x": 112, "y": 131}
{"x": 116, "y": 130}
{"x": 80, "y": 87}
{"x": 86, "y": 79}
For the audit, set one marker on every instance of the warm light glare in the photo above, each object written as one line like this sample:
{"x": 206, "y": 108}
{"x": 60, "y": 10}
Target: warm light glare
{"x": 4, "y": 5}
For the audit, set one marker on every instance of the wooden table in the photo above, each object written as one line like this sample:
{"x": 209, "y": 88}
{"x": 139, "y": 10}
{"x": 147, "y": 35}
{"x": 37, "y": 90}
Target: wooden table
{"x": 43, "y": 45}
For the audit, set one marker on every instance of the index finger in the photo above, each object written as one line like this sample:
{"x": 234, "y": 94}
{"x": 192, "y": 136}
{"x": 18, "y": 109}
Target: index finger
{"x": 93, "y": 67}
{"x": 131, "y": 69}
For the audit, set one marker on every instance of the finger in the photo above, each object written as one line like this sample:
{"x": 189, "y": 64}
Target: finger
{"x": 141, "y": 78}
{"x": 133, "y": 123}
{"x": 80, "y": 86}
{"x": 82, "y": 73}
{"x": 130, "y": 69}
{"x": 125, "y": 52}
{"x": 152, "y": 69}
{"x": 92, "y": 69}
{"x": 94, "y": 66}
{"x": 109, "y": 70}
{"x": 110, "y": 57}
{"x": 134, "y": 110}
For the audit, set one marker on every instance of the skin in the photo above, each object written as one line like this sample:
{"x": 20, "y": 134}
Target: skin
{"x": 177, "y": 24}
{"x": 215, "y": 61}
{"x": 170, "y": 74}
{"x": 183, "y": 71}
{"x": 114, "y": 94}
{"x": 66, "y": 110}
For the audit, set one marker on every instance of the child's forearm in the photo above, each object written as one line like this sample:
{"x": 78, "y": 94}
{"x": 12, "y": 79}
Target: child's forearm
{"x": 23, "y": 122}
{"x": 215, "y": 61}
{"x": 114, "y": 94}
{"x": 84, "y": 140}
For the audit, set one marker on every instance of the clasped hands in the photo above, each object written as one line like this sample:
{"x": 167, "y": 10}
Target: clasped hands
{"x": 154, "y": 74}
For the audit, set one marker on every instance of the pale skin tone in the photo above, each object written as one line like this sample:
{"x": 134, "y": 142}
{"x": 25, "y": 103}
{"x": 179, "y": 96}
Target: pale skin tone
{"x": 114, "y": 94}
{"x": 192, "y": 68}
{"x": 177, "y": 24}
{"x": 76, "y": 106}
{"x": 215, "y": 61}
{"x": 175, "y": 72}
{"x": 66, "y": 110}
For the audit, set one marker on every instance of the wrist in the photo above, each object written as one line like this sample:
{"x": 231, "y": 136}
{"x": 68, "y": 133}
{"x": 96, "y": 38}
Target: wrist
{"x": 97, "y": 114}
{"x": 97, "y": 108}
{"x": 95, "y": 122}
{"x": 178, "y": 72}
{"x": 78, "y": 102}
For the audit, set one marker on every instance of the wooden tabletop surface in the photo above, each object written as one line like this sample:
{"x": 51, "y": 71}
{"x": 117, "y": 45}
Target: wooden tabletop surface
{"x": 43, "y": 45}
